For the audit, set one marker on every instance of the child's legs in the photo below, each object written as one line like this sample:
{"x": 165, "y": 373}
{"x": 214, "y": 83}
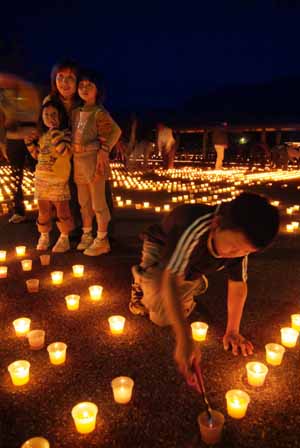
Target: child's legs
{"x": 85, "y": 201}
{"x": 99, "y": 204}
{"x": 65, "y": 221}
{"x": 44, "y": 221}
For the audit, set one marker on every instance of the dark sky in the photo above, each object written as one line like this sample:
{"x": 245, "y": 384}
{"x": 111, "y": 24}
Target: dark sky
{"x": 160, "y": 53}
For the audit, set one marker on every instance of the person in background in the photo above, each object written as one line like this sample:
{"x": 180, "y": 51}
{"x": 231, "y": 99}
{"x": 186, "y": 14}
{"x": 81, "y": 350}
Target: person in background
{"x": 166, "y": 144}
{"x": 220, "y": 142}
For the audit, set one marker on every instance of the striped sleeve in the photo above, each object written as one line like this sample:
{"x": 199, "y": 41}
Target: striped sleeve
{"x": 61, "y": 140}
{"x": 108, "y": 130}
{"x": 238, "y": 272}
{"x": 187, "y": 243}
{"x": 34, "y": 149}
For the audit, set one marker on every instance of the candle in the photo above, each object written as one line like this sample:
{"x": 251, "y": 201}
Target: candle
{"x": 72, "y": 301}
{"x": 19, "y": 372}
{"x": 237, "y": 403}
{"x": 289, "y": 337}
{"x": 3, "y": 271}
{"x": 36, "y": 442}
{"x": 57, "y": 277}
{"x": 295, "y": 225}
{"x": 122, "y": 389}
{"x": 20, "y": 251}
{"x": 32, "y": 284}
{"x": 157, "y": 209}
{"x": 256, "y": 373}
{"x": 290, "y": 228}
{"x": 36, "y": 339}
{"x": 146, "y": 204}
{"x": 116, "y": 324}
{"x": 274, "y": 354}
{"x": 84, "y": 415}
{"x": 26, "y": 265}
{"x": 57, "y": 352}
{"x": 95, "y": 293}
{"x": 22, "y": 326}
{"x": 78, "y": 270}
{"x": 199, "y": 330}
{"x": 2, "y": 255}
{"x": 211, "y": 432}
{"x": 295, "y": 319}
{"x": 45, "y": 259}
{"x": 166, "y": 207}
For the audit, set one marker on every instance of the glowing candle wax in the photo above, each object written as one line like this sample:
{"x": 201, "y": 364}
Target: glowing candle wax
{"x": 72, "y": 301}
{"x": 237, "y": 403}
{"x": 22, "y": 326}
{"x": 290, "y": 228}
{"x": 57, "y": 277}
{"x": 199, "y": 330}
{"x": 26, "y": 265}
{"x": 20, "y": 251}
{"x": 289, "y": 337}
{"x": 295, "y": 319}
{"x": 19, "y": 372}
{"x": 3, "y": 271}
{"x": 57, "y": 352}
{"x": 78, "y": 270}
{"x": 256, "y": 373}
{"x": 146, "y": 205}
{"x": 2, "y": 255}
{"x": 274, "y": 354}
{"x": 36, "y": 442}
{"x": 116, "y": 324}
{"x": 84, "y": 415}
{"x": 122, "y": 389}
{"x": 95, "y": 292}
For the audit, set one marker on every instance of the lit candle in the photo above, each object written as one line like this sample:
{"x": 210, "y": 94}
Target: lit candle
{"x": 72, "y": 301}
{"x": 22, "y": 326}
{"x": 146, "y": 204}
{"x": 26, "y": 265}
{"x": 122, "y": 389}
{"x": 36, "y": 442}
{"x": 78, "y": 270}
{"x": 3, "y": 271}
{"x": 32, "y": 284}
{"x": 256, "y": 373}
{"x": 166, "y": 207}
{"x": 199, "y": 330}
{"x": 19, "y": 372}
{"x": 84, "y": 415}
{"x": 128, "y": 201}
{"x": 57, "y": 352}
{"x": 157, "y": 209}
{"x": 116, "y": 324}
{"x": 95, "y": 292}
{"x": 57, "y": 277}
{"x": 289, "y": 337}
{"x": 2, "y": 255}
{"x": 20, "y": 251}
{"x": 211, "y": 431}
{"x": 237, "y": 403}
{"x": 36, "y": 339}
{"x": 295, "y": 225}
{"x": 274, "y": 354}
{"x": 295, "y": 318}
{"x": 290, "y": 228}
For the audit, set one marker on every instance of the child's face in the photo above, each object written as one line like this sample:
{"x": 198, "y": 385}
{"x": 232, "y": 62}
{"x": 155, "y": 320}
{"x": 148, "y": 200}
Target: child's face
{"x": 230, "y": 243}
{"x": 87, "y": 91}
{"x": 50, "y": 117}
{"x": 66, "y": 83}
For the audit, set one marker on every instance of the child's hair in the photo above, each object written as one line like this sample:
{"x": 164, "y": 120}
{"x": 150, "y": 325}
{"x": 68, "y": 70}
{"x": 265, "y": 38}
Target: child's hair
{"x": 62, "y": 115}
{"x": 59, "y": 66}
{"x": 254, "y": 216}
{"x": 87, "y": 74}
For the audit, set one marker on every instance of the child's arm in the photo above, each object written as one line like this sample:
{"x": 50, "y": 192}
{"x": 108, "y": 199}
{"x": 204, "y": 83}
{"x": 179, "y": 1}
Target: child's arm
{"x": 108, "y": 130}
{"x": 61, "y": 141}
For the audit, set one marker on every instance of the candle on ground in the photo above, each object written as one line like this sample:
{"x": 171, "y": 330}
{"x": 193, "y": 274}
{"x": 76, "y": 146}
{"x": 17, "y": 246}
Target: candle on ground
{"x": 26, "y": 265}
{"x": 3, "y": 271}
{"x": 199, "y": 331}
{"x": 19, "y": 372}
{"x": 72, "y": 301}
{"x": 237, "y": 403}
{"x": 256, "y": 373}
{"x": 36, "y": 442}
{"x": 57, "y": 277}
{"x": 32, "y": 284}
{"x": 274, "y": 354}
{"x": 295, "y": 319}
{"x": 122, "y": 389}
{"x": 20, "y": 251}
{"x": 36, "y": 339}
{"x": 84, "y": 415}
{"x": 57, "y": 352}
{"x": 2, "y": 255}
{"x": 78, "y": 270}
{"x": 95, "y": 292}
{"x": 116, "y": 324}
{"x": 22, "y": 326}
{"x": 289, "y": 337}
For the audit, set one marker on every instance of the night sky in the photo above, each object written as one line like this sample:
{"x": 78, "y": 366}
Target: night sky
{"x": 157, "y": 54}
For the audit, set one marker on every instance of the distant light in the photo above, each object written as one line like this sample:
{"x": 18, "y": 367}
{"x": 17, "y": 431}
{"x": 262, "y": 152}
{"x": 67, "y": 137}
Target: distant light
{"x": 243, "y": 140}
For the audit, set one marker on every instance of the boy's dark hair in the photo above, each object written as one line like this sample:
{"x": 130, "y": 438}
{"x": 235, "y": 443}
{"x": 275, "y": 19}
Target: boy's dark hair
{"x": 62, "y": 114}
{"x": 87, "y": 74}
{"x": 59, "y": 66}
{"x": 254, "y": 216}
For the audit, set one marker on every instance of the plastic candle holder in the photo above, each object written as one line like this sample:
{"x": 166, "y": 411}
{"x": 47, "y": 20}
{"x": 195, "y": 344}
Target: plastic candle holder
{"x": 237, "y": 403}
{"x": 84, "y": 415}
{"x": 256, "y": 373}
{"x": 3, "y": 271}
{"x": 295, "y": 319}
{"x": 57, "y": 277}
{"x": 78, "y": 270}
{"x": 122, "y": 389}
{"x": 72, "y": 301}
{"x": 211, "y": 433}
{"x": 19, "y": 372}
{"x": 290, "y": 228}
{"x": 22, "y": 326}
{"x": 95, "y": 293}
{"x": 26, "y": 265}
{"x": 57, "y": 352}
{"x": 274, "y": 354}
{"x": 20, "y": 251}
{"x": 116, "y": 324}
{"x": 36, "y": 442}
{"x": 36, "y": 339}
{"x": 2, "y": 255}
{"x": 289, "y": 337}
{"x": 45, "y": 259}
{"x": 32, "y": 284}
{"x": 199, "y": 331}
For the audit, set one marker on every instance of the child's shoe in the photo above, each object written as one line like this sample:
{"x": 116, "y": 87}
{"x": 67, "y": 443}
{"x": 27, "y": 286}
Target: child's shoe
{"x": 86, "y": 241}
{"x": 62, "y": 245}
{"x": 43, "y": 242}
{"x": 98, "y": 247}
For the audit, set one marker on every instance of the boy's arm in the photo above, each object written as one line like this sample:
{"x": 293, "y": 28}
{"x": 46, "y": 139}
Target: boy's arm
{"x": 236, "y": 298}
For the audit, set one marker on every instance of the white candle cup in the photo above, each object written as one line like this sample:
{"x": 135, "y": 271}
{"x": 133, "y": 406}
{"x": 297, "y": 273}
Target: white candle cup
{"x": 22, "y": 326}
{"x": 256, "y": 373}
{"x": 116, "y": 324}
{"x": 72, "y": 302}
{"x": 2, "y": 255}
{"x": 199, "y": 331}
{"x": 57, "y": 352}
{"x": 295, "y": 320}
{"x": 36, "y": 339}
{"x": 84, "y": 415}
{"x": 237, "y": 403}
{"x": 274, "y": 354}
{"x": 289, "y": 337}
{"x": 3, "y": 271}
{"x": 78, "y": 270}
{"x": 211, "y": 433}
{"x": 122, "y": 387}
{"x": 95, "y": 293}
{"x": 26, "y": 265}
{"x": 20, "y": 251}
{"x": 45, "y": 259}
{"x": 57, "y": 277}
{"x": 36, "y": 442}
{"x": 19, "y": 372}
{"x": 32, "y": 285}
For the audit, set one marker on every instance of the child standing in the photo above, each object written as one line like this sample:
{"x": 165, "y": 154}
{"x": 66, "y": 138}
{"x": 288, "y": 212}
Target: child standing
{"x": 53, "y": 152}
{"x": 95, "y": 133}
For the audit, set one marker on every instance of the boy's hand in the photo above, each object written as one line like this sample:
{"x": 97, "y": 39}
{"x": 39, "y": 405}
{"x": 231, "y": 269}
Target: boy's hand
{"x": 185, "y": 352}
{"x": 102, "y": 164}
{"x": 236, "y": 341}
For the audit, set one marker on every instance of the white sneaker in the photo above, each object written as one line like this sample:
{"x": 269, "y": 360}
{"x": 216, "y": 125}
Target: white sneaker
{"x": 43, "y": 243}
{"x": 86, "y": 241}
{"x": 61, "y": 245}
{"x": 98, "y": 247}
{"x": 16, "y": 218}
